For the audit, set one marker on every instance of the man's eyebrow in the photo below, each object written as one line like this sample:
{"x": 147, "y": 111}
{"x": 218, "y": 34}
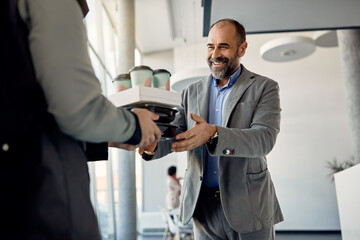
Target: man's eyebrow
{"x": 224, "y": 44}
{"x": 220, "y": 44}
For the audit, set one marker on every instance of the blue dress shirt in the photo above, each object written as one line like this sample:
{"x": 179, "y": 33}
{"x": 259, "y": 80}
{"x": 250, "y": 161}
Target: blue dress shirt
{"x": 217, "y": 100}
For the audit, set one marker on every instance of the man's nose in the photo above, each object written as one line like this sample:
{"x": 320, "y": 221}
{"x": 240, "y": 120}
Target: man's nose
{"x": 216, "y": 53}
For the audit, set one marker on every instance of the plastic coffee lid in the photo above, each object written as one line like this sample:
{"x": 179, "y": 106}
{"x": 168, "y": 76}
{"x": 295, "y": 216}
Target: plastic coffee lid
{"x": 161, "y": 71}
{"x": 122, "y": 77}
{"x": 141, "y": 67}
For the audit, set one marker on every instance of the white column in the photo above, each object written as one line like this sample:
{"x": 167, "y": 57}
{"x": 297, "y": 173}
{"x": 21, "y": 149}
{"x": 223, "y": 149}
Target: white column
{"x": 126, "y": 34}
{"x": 127, "y": 193}
{"x": 349, "y": 46}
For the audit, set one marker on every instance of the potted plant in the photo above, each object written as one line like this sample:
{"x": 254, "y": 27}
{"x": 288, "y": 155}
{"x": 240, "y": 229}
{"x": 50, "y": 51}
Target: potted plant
{"x": 335, "y": 166}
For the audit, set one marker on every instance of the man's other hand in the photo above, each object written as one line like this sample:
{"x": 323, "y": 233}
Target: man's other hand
{"x": 199, "y": 134}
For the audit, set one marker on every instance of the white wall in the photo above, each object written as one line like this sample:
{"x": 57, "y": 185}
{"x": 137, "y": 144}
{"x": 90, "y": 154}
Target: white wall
{"x": 154, "y": 182}
{"x": 314, "y": 129}
{"x": 187, "y": 57}
{"x": 160, "y": 60}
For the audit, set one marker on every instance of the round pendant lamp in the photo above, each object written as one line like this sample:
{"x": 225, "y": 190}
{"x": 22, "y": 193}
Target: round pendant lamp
{"x": 180, "y": 80}
{"x": 287, "y": 48}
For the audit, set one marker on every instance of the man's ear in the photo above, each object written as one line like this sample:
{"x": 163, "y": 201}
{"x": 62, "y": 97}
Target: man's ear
{"x": 242, "y": 49}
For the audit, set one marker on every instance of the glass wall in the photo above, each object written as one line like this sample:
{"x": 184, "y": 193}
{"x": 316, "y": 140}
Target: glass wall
{"x": 103, "y": 42}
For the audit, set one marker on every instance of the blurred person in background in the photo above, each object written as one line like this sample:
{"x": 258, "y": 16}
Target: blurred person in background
{"x": 174, "y": 189}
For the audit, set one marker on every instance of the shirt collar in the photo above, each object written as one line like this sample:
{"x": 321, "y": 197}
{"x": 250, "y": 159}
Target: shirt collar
{"x": 232, "y": 79}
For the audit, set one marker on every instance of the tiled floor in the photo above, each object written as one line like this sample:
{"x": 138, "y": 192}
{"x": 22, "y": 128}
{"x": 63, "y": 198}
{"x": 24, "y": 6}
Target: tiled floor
{"x": 279, "y": 236}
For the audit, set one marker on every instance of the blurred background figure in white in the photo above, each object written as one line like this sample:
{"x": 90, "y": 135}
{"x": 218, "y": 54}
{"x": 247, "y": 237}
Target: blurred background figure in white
{"x": 174, "y": 189}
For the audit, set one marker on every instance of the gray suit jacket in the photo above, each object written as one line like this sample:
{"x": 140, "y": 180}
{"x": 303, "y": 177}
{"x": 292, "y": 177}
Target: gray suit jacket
{"x": 251, "y": 122}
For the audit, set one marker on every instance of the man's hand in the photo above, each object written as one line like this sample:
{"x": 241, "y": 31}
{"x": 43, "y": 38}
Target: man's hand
{"x": 150, "y": 132}
{"x": 196, "y": 136}
{"x": 149, "y": 150}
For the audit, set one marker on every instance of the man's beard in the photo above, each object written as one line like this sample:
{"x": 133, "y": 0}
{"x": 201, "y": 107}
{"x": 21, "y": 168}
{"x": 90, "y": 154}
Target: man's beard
{"x": 227, "y": 70}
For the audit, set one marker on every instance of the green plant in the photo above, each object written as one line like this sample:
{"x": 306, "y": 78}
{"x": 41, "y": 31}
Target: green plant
{"x": 336, "y": 166}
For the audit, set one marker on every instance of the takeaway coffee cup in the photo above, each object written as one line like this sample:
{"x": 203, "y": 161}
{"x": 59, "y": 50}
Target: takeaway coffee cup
{"x": 141, "y": 75}
{"x": 161, "y": 79}
{"x": 122, "y": 82}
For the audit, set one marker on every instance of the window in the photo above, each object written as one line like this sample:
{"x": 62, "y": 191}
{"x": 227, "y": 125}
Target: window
{"x": 101, "y": 42}
{"x": 103, "y": 45}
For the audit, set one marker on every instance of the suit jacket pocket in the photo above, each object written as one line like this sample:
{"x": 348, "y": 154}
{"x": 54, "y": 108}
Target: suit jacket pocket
{"x": 262, "y": 195}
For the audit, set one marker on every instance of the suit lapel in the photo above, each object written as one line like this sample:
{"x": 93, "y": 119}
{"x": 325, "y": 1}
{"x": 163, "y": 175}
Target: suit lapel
{"x": 203, "y": 98}
{"x": 245, "y": 79}
{"x": 203, "y": 90}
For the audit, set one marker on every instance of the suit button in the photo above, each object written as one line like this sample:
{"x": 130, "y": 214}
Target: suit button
{"x": 200, "y": 178}
{"x": 5, "y": 147}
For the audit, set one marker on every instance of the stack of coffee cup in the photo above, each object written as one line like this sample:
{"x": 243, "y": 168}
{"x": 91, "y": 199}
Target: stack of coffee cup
{"x": 141, "y": 75}
{"x": 122, "y": 82}
{"x": 161, "y": 79}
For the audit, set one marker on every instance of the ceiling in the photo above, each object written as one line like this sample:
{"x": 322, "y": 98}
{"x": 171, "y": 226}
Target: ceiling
{"x": 164, "y": 24}
{"x": 268, "y": 16}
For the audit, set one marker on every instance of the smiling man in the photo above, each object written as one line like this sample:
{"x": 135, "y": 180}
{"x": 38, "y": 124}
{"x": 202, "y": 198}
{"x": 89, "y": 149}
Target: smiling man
{"x": 225, "y": 50}
{"x": 228, "y": 124}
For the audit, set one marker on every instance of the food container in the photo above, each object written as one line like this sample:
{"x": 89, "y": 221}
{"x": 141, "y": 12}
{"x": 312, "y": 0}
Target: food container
{"x": 166, "y": 115}
{"x": 167, "y": 130}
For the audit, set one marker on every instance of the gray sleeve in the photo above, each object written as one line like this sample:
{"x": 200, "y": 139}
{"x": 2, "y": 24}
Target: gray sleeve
{"x": 58, "y": 45}
{"x": 259, "y": 139}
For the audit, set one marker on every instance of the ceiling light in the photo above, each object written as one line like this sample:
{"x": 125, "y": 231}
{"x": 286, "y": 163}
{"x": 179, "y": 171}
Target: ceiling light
{"x": 180, "y": 80}
{"x": 287, "y": 49}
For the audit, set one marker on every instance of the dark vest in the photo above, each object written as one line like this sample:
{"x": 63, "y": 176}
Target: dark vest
{"x": 40, "y": 197}
{"x": 23, "y": 115}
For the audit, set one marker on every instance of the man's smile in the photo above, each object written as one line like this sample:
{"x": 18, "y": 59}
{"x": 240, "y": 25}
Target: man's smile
{"x": 218, "y": 62}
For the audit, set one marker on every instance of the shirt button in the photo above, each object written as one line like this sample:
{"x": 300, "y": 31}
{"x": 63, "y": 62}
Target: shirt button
{"x": 5, "y": 147}
{"x": 215, "y": 172}
{"x": 217, "y": 110}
